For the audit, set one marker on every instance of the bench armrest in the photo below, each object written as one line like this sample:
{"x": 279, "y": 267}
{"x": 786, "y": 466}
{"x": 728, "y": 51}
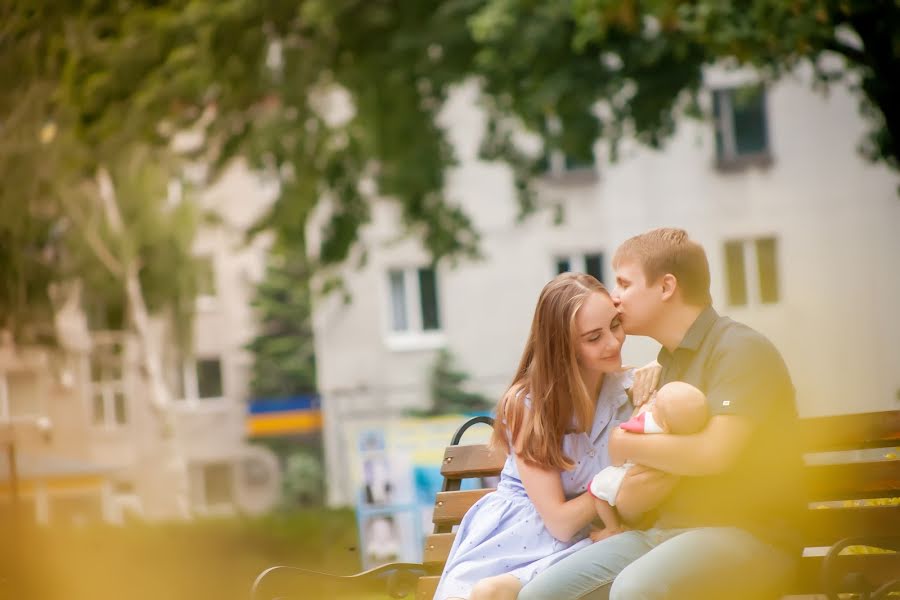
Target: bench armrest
{"x": 835, "y": 581}
{"x": 396, "y": 579}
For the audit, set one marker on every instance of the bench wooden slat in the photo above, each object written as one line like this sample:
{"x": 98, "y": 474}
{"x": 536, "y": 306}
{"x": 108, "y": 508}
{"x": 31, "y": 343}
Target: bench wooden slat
{"x": 877, "y": 569}
{"x": 450, "y": 507}
{"x": 461, "y": 462}
{"x": 825, "y": 526}
{"x": 848, "y": 432}
{"x": 437, "y": 548}
{"x": 870, "y": 479}
{"x": 426, "y": 587}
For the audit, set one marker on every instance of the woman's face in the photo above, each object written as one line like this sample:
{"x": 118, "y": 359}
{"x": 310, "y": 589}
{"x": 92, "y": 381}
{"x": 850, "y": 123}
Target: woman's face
{"x": 598, "y": 335}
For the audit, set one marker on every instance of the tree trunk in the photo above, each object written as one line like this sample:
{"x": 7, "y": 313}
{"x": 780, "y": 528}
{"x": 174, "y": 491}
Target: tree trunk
{"x": 172, "y": 468}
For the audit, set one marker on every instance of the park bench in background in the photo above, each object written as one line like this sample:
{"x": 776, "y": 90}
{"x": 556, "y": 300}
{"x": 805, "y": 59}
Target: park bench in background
{"x": 852, "y": 480}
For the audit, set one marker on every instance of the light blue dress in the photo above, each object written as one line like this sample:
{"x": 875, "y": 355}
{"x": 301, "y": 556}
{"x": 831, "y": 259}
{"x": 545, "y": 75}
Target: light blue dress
{"x": 503, "y": 533}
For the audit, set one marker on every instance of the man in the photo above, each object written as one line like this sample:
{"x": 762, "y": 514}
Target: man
{"x": 723, "y": 528}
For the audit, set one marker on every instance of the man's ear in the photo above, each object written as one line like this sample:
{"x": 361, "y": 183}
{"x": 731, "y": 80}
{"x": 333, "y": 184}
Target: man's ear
{"x": 669, "y": 286}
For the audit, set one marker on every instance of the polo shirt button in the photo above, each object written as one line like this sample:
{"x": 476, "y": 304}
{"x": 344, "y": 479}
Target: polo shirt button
{"x": 592, "y": 453}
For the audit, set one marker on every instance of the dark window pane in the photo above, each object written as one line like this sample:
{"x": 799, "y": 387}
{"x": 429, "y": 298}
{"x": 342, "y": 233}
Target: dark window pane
{"x": 575, "y": 163}
{"x": 428, "y": 292}
{"x": 735, "y": 273}
{"x": 99, "y": 409}
{"x": 398, "y": 301}
{"x": 217, "y": 483}
{"x": 719, "y": 104}
{"x": 209, "y": 378}
{"x": 562, "y": 265}
{"x": 768, "y": 269}
{"x": 593, "y": 265}
{"x": 119, "y": 407}
{"x": 750, "y": 132}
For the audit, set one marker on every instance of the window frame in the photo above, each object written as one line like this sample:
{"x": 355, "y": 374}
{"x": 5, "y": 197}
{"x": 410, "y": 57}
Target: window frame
{"x": 578, "y": 262}
{"x": 728, "y": 157}
{"x": 106, "y": 387}
{"x": 752, "y": 271}
{"x": 190, "y": 386}
{"x": 414, "y": 336}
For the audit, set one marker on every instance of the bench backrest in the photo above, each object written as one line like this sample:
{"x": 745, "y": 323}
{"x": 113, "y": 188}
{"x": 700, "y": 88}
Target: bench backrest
{"x": 852, "y": 488}
{"x": 852, "y": 483}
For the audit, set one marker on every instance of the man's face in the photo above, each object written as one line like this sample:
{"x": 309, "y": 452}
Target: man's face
{"x": 639, "y": 304}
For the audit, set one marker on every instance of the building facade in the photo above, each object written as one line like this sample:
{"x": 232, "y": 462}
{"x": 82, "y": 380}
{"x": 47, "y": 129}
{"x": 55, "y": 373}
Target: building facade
{"x": 79, "y": 419}
{"x": 798, "y": 228}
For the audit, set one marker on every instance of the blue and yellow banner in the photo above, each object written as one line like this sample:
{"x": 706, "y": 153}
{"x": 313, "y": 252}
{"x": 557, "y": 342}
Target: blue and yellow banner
{"x": 283, "y": 416}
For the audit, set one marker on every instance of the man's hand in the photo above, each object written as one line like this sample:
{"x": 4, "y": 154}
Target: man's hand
{"x": 598, "y": 534}
{"x": 646, "y": 379}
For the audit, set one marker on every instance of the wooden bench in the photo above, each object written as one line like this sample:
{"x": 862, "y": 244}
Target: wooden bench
{"x": 850, "y": 506}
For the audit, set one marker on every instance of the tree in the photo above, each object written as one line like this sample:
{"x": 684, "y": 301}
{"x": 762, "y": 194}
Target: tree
{"x": 338, "y": 99}
{"x": 283, "y": 353}
{"x": 448, "y": 393}
{"x": 85, "y": 196}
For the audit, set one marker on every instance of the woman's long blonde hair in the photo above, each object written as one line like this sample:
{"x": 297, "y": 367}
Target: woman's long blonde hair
{"x": 548, "y": 374}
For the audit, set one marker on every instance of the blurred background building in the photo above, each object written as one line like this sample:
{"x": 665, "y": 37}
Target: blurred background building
{"x": 798, "y": 228}
{"x": 78, "y": 417}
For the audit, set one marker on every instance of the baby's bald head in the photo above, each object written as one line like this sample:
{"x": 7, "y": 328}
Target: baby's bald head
{"x": 681, "y": 408}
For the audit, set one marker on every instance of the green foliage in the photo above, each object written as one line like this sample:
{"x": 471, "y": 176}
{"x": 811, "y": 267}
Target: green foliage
{"x": 60, "y": 126}
{"x": 448, "y": 394}
{"x": 283, "y": 352}
{"x": 304, "y": 480}
{"x": 260, "y": 80}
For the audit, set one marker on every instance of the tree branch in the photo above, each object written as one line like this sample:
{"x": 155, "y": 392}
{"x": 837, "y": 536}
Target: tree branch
{"x": 93, "y": 240}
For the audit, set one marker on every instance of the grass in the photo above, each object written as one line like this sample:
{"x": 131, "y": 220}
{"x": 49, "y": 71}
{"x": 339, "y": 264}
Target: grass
{"x": 214, "y": 559}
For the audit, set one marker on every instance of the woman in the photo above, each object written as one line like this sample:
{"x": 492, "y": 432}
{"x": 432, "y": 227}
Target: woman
{"x": 556, "y": 416}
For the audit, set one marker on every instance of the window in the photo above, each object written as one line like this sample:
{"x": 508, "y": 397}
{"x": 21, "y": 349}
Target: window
{"x": 414, "y": 300}
{"x": 201, "y": 379}
{"x": 209, "y": 378}
{"x": 557, "y": 163}
{"x": 742, "y": 135}
{"x": 206, "y": 281}
{"x": 591, "y": 263}
{"x": 751, "y": 271}
{"x": 109, "y": 405}
{"x": 20, "y": 394}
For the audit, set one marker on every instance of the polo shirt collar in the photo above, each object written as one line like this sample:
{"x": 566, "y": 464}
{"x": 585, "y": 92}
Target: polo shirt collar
{"x": 694, "y": 336}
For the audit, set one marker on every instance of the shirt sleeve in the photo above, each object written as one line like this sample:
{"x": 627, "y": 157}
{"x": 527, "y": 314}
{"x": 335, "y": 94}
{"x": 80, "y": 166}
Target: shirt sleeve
{"x": 748, "y": 378}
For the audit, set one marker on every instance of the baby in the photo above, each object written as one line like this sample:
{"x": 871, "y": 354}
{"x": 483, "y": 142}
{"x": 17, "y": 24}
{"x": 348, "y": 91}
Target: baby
{"x": 677, "y": 408}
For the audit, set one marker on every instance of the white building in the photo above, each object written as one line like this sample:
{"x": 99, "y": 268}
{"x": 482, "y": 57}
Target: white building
{"x": 798, "y": 227}
{"x": 225, "y": 473}
{"x": 101, "y": 454}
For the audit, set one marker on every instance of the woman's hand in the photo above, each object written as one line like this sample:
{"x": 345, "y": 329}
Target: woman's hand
{"x": 646, "y": 379}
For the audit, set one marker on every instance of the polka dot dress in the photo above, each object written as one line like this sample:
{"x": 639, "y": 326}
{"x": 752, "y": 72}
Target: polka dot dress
{"x": 503, "y": 533}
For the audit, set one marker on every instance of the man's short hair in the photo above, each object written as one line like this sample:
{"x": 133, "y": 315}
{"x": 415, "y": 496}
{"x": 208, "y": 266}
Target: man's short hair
{"x": 670, "y": 250}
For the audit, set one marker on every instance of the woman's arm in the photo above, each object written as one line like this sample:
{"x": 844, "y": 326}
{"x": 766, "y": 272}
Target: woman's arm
{"x": 562, "y": 518}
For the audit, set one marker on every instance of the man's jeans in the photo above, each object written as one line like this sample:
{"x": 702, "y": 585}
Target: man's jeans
{"x": 695, "y": 564}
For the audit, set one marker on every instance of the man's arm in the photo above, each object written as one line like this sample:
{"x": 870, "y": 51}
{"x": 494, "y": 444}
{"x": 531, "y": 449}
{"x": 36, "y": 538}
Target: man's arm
{"x": 708, "y": 452}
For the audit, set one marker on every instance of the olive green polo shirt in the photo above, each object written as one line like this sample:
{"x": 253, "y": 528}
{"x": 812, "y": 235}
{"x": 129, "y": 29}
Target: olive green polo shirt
{"x": 742, "y": 374}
